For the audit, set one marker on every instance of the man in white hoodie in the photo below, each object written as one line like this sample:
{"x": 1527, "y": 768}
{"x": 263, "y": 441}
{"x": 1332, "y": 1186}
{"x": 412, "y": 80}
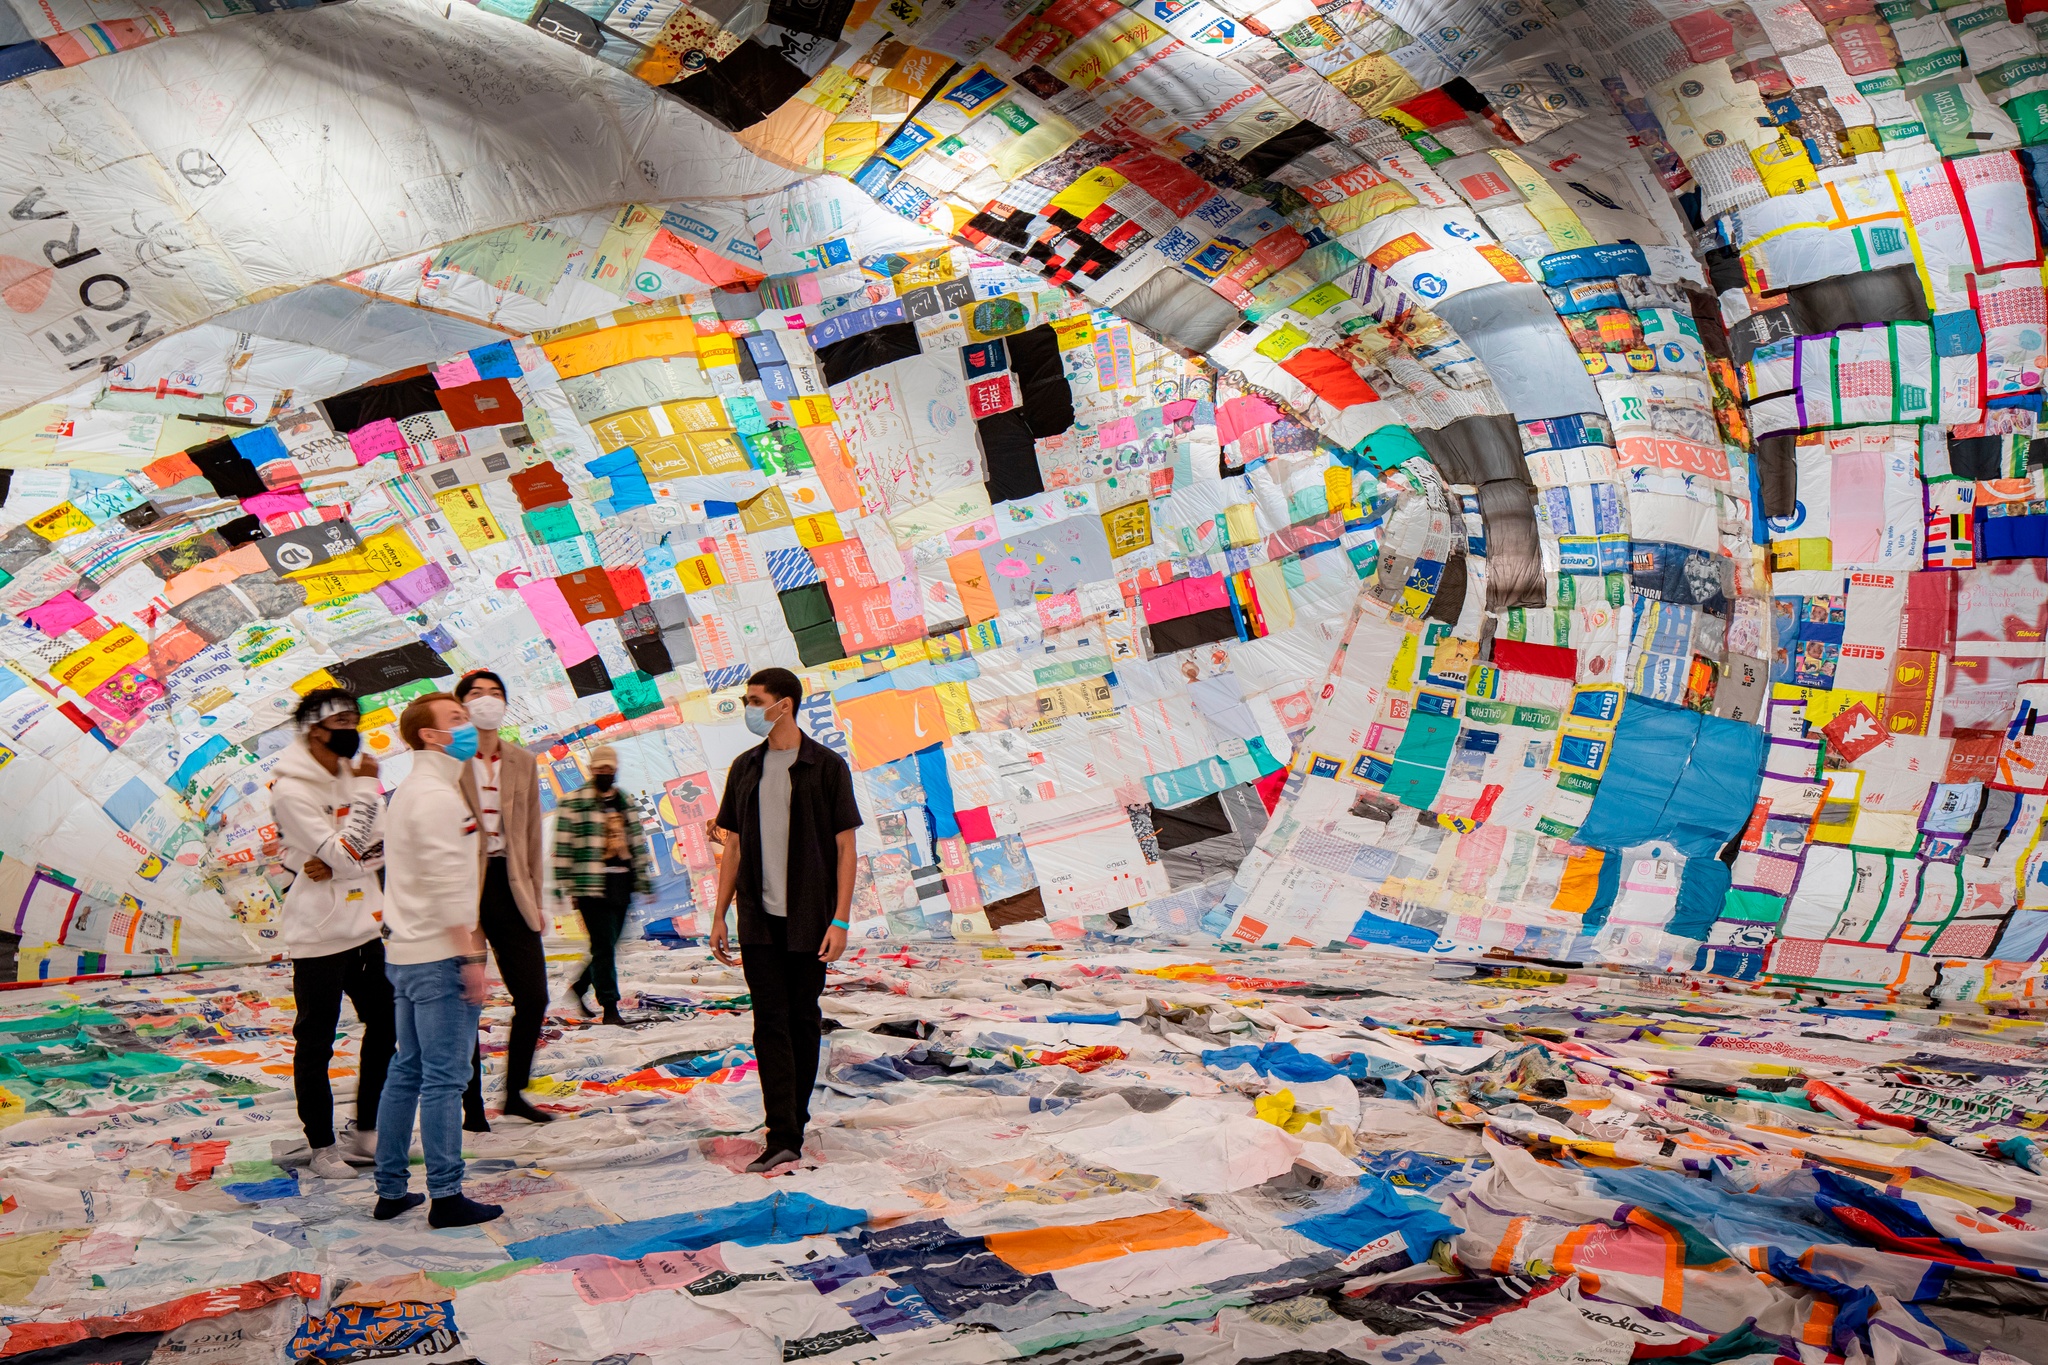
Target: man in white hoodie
{"x": 434, "y": 955}
{"x": 330, "y": 818}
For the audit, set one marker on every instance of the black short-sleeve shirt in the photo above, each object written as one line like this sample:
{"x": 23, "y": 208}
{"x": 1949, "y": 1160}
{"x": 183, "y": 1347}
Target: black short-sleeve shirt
{"x": 821, "y": 807}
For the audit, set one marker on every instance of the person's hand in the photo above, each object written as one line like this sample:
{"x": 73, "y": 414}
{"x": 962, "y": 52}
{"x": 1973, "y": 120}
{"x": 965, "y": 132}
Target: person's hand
{"x": 473, "y": 982}
{"x": 366, "y": 766}
{"x": 317, "y": 870}
{"x": 720, "y": 947}
{"x": 833, "y": 946}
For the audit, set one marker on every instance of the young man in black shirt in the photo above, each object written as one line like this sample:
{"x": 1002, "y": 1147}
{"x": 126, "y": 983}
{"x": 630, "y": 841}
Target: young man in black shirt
{"x": 788, "y": 818}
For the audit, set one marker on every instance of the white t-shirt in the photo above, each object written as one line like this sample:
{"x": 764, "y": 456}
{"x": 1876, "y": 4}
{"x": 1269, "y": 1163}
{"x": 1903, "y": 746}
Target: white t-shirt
{"x": 485, "y": 771}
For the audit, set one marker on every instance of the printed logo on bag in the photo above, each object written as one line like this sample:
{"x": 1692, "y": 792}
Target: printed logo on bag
{"x": 307, "y": 546}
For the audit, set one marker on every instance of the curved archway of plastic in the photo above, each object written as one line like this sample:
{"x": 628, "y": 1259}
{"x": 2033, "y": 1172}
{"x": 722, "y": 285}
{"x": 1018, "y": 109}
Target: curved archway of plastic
{"x": 156, "y": 190}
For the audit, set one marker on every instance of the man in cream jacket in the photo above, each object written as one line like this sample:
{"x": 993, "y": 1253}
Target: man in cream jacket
{"x": 434, "y": 956}
{"x": 330, "y": 818}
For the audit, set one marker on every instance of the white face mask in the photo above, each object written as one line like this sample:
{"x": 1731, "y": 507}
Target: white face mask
{"x": 758, "y": 722}
{"x": 487, "y": 712}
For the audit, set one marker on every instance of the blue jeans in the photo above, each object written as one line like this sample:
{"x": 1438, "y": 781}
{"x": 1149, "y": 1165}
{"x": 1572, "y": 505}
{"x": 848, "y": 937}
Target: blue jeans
{"x": 436, "y": 1035}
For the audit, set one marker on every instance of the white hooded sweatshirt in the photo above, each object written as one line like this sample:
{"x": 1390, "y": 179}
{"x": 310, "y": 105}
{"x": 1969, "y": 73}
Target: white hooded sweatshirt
{"x": 339, "y": 819}
{"x": 433, "y": 872}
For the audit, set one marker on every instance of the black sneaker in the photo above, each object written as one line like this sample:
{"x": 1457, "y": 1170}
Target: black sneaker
{"x": 768, "y": 1161}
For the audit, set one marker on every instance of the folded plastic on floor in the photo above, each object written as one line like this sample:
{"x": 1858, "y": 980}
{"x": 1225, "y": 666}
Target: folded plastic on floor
{"x": 1081, "y": 1158}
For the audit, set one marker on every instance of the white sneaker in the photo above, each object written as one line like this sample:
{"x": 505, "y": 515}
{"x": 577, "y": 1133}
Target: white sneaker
{"x": 365, "y": 1141}
{"x": 329, "y": 1164}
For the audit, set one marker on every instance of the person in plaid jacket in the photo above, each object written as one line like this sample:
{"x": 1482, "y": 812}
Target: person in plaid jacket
{"x": 600, "y": 861}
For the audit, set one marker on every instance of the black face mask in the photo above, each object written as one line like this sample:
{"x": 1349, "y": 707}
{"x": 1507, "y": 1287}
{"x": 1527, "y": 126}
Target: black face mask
{"x": 343, "y": 743}
{"x": 602, "y": 781}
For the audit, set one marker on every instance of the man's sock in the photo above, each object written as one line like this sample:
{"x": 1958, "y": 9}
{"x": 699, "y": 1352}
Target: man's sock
{"x": 460, "y": 1211}
{"x": 388, "y": 1209}
{"x": 517, "y": 1107}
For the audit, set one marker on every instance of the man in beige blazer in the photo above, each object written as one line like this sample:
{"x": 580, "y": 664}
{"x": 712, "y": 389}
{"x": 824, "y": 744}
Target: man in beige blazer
{"x": 503, "y": 783}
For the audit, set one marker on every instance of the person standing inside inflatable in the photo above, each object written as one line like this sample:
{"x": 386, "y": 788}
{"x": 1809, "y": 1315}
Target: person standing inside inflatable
{"x": 503, "y": 783}
{"x": 434, "y": 955}
{"x": 601, "y": 860}
{"x": 330, "y": 818}
{"x": 788, "y": 819}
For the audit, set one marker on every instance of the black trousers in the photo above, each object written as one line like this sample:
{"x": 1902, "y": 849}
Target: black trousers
{"x": 605, "y": 919}
{"x": 785, "y": 987}
{"x": 318, "y": 983}
{"x": 524, "y": 965}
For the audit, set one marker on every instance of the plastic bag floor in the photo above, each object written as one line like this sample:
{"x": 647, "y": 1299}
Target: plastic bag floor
{"x": 1086, "y": 1154}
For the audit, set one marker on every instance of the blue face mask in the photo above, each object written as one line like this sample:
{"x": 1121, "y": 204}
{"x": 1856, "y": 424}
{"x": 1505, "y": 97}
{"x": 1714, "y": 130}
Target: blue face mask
{"x": 758, "y": 722}
{"x": 461, "y": 743}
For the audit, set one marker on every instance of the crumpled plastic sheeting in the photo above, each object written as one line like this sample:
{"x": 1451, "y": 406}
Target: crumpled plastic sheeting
{"x": 945, "y": 494}
{"x": 1532, "y": 657}
{"x": 205, "y": 151}
{"x": 266, "y": 345}
{"x": 1069, "y": 1155}
{"x": 1241, "y": 502}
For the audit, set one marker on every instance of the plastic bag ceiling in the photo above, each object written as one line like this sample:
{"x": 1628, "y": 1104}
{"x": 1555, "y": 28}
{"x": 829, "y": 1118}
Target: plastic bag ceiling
{"x": 1449, "y": 478}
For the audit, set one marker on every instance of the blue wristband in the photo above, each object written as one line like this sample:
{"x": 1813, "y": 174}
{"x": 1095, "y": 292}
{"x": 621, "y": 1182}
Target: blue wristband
{"x": 840, "y": 924}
